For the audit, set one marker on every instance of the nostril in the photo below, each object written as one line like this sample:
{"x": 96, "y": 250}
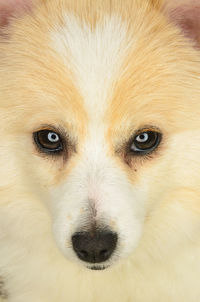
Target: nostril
{"x": 104, "y": 253}
{"x": 83, "y": 254}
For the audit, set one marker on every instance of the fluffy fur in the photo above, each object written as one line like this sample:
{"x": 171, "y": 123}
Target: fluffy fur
{"x": 98, "y": 71}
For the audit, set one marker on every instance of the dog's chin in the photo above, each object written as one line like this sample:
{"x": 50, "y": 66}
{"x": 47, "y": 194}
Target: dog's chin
{"x": 97, "y": 267}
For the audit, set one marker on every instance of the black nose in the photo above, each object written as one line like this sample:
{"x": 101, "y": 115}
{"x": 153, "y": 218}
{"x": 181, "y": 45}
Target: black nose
{"x": 94, "y": 247}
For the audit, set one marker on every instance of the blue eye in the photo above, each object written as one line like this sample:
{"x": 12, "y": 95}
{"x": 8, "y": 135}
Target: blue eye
{"x": 53, "y": 137}
{"x": 48, "y": 141}
{"x": 145, "y": 142}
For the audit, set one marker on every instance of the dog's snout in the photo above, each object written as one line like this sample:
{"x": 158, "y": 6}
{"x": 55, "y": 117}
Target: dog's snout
{"x": 94, "y": 247}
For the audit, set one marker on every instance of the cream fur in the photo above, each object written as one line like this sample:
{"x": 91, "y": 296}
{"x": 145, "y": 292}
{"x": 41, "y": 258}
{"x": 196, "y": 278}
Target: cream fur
{"x": 99, "y": 71}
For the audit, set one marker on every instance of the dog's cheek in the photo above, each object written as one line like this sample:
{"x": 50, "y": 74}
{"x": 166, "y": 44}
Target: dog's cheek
{"x": 13, "y": 8}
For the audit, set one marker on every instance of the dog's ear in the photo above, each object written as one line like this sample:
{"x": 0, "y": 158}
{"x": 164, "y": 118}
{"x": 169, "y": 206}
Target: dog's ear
{"x": 12, "y": 8}
{"x": 186, "y": 15}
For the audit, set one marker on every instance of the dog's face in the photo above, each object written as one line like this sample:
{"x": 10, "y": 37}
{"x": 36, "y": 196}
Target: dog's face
{"x": 97, "y": 123}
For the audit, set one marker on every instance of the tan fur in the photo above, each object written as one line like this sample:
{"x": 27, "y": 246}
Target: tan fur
{"x": 158, "y": 84}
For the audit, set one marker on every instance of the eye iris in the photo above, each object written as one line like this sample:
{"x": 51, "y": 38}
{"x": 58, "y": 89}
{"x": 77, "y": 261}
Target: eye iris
{"x": 53, "y": 137}
{"x": 142, "y": 137}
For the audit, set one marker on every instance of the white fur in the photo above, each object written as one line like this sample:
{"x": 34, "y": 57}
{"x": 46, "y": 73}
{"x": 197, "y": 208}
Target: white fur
{"x": 96, "y": 181}
{"x": 95, "y": 58}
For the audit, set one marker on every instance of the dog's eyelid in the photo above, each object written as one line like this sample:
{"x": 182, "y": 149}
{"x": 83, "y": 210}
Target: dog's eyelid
{"x": 60, "y": 130}
{"x": 53, "y": 128}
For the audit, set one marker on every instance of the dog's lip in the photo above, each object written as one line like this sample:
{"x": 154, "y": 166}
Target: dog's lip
{"x": 97, "y": 267}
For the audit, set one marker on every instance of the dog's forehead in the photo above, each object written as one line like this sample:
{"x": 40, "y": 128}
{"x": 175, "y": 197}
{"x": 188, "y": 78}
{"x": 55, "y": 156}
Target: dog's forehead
{"x": 115, "y": 70}
{"x": 112, "y": 71}
{"x": 94, "y": 56}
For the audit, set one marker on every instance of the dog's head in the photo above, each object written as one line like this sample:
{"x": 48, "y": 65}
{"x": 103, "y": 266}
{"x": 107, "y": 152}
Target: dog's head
{"x": 100, "y": 123}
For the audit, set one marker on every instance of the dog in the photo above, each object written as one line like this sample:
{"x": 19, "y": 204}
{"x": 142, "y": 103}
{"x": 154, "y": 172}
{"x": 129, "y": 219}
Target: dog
{"x": 100, "y": 151}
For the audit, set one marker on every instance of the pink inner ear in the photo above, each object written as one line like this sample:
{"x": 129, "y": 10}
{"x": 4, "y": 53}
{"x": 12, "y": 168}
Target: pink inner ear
{"x": 10, "y": 8}
{"x": 187, "y": 17}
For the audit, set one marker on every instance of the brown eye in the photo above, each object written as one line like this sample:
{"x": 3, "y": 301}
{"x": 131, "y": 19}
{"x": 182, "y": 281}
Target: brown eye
{"x": 145, "y": 142}
{"x": 48, "y": 141}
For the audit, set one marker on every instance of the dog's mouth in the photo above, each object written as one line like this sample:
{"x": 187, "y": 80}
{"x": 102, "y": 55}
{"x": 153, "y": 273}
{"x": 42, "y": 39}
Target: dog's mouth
{"x": 97, "y": 267}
